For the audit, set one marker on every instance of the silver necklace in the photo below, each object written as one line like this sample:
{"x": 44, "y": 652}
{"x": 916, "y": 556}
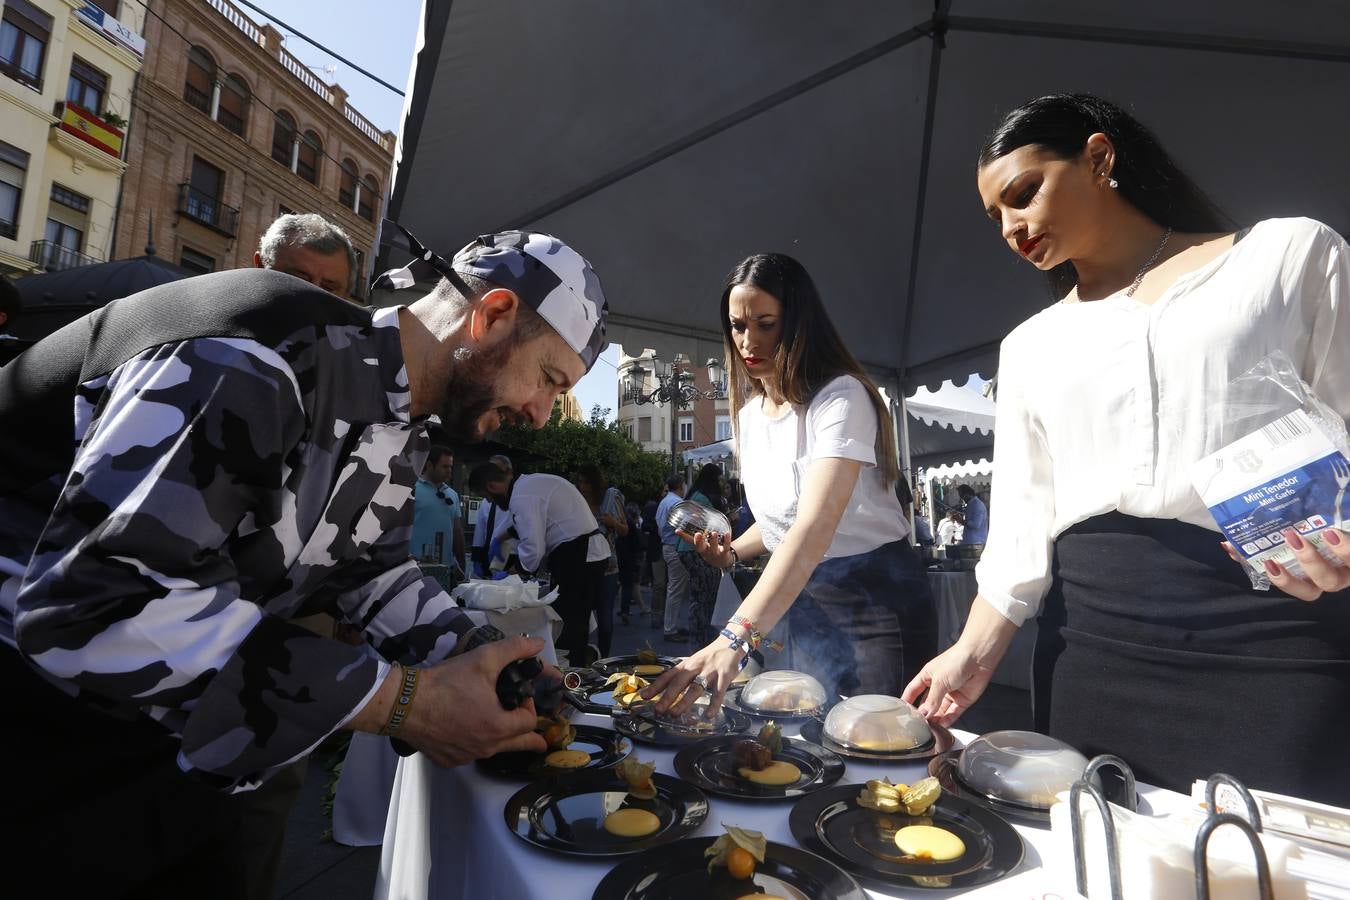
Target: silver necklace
{"x": 1138, "y": 279}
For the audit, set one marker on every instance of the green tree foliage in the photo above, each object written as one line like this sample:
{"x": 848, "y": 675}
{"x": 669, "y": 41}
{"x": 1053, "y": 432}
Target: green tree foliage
{"x": 564, "y": 445}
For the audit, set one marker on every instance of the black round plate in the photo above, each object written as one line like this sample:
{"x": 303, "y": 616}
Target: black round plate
{"x": 862, "y": 840}
{"x": 605, "y": 747}
{"x": 594, "y": 696}
{"x": 649, "y": 731}
{"x": 710, "y": 765}
{"x": 613, "y": 664}
{"x": 679, "y": 871}
{"x": 942, "y": 741}
{"x": 733, "y": 700}
{"x": 944, "y": 769}
{"x": 567, "y": 815}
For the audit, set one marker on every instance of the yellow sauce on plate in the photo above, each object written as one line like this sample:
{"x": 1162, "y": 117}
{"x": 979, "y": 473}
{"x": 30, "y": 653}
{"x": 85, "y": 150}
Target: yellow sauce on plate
{"x": 929, "y": 842}
{"x": 777, "y": 773}
{"x": 567, "y": 759}
{"x": 631, "y": 823}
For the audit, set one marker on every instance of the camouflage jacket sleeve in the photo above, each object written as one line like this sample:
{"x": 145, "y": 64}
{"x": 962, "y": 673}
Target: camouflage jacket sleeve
{"x": 133, "y": 592}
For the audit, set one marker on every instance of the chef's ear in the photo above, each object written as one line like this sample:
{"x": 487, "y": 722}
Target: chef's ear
{"x": 494, "y": 316}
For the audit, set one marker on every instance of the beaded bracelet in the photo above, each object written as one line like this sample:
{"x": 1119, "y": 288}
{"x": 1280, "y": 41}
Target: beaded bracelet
{"x": 403, "y": 705}
{"x": 753, "y": 634}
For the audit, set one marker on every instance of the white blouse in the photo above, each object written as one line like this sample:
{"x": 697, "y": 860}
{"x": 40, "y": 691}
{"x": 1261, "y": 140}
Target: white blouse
{"x": 1104, "y": 405}
{"x": 840, "y": 423}
{"x": 548, "y": 511}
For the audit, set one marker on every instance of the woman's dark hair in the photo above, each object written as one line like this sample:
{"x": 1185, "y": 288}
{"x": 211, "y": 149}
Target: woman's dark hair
{"x": 709, "y": 484}
{"x": 595, "y": 480}
{"x": 810, "y": 353}
{"x": 1149, "y": 179}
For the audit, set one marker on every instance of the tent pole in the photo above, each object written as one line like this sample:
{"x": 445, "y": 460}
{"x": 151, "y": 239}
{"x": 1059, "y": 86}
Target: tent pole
{"x": 938, "y": 32}
{"x": 906, "y": 462}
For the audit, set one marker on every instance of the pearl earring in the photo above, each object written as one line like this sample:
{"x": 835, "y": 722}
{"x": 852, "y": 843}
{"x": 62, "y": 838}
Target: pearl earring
{"x": 1113, "y": 182}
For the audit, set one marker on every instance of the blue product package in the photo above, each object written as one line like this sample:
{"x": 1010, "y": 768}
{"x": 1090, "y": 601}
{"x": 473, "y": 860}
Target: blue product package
{"x": 1286, "y": 474}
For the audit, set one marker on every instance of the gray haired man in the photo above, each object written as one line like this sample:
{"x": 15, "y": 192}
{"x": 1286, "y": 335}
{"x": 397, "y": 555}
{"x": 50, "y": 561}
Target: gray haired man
{"x": 311, "y": 248}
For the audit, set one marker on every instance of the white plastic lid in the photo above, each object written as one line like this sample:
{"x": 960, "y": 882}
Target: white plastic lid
{"x": 1022, "y": 767}
{"x": 691, "y": 518}
{"x": 877, "y": 723}
{"x": 783, "y": 691}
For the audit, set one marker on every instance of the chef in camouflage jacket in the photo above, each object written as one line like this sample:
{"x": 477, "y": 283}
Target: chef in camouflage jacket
{"x": 187, "y": 470}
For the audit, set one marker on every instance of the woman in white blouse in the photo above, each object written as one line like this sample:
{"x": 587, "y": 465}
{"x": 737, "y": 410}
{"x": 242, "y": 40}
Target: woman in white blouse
{"x": 1152, "y": 644}
{"x": 819, "y": 468}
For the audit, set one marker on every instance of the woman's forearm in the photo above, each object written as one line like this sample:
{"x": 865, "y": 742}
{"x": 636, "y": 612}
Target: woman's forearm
{"x": 788, "y": 571}
{"x": 829, "y": 485}
{"x": 987, "y": 633}
{"x": 750, "y": 544}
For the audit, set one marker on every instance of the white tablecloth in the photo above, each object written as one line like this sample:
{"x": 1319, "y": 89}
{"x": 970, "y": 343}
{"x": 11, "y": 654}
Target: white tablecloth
{"x": 954, "y": 592}
{"x": 447, "y": 839}
{"x": 361, "y": 804}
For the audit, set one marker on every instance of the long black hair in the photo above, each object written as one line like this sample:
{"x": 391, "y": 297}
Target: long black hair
{"x": 810, "y": 353}
{"x": 709, "y": 484}
{"x": 1148, "y": 177}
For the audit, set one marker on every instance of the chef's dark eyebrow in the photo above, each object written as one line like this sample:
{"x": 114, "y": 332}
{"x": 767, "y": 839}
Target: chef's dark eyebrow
{"x": 989, "y": 210}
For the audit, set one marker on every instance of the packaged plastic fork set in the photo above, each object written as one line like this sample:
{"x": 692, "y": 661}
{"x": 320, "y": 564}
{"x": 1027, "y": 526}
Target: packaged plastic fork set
{"x": 1284, "y": 463}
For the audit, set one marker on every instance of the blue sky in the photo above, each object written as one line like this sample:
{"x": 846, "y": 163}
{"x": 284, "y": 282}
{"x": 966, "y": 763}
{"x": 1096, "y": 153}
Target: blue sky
{"x": 383, "y": 44}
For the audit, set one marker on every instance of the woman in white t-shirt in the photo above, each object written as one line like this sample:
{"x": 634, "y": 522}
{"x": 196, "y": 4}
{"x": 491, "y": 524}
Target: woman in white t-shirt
{"x": 1152, "y": 644}
{"x": 819, "y": 467}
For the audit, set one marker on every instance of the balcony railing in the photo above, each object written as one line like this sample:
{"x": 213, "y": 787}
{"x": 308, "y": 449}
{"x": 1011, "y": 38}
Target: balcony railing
{"x": 195, "y": 98}
{"x": 209, "y": 211}
{"x": 301, "y": 72}
{"x": 52, "y": 257}
{"x": 231, "y": 121}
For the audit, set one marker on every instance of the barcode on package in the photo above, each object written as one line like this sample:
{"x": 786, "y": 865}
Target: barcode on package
{"x": 1285, "y": 429}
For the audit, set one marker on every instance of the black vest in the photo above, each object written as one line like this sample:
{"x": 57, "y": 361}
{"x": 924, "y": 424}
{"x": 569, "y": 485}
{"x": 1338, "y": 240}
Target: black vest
{"x": 37, "y": 389}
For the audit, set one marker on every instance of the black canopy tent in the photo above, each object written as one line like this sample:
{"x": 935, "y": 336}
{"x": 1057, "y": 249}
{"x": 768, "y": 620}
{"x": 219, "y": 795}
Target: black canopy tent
{"x": 666, "y": 141}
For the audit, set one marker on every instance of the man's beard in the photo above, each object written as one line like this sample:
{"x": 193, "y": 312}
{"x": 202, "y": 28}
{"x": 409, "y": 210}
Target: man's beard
{"x": 471, "y": 391}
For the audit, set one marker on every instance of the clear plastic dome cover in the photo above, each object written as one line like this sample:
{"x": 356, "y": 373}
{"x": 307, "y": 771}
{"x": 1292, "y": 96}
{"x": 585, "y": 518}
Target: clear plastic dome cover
{"x": 877, "y": 722}
{"x": 691, "y": 518}
{"x": 783, "y": 691}
{"x": 1020, "y": 767}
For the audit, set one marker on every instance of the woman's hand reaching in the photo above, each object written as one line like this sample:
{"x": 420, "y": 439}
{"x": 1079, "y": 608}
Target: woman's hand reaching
{"x": 709, "y": 671}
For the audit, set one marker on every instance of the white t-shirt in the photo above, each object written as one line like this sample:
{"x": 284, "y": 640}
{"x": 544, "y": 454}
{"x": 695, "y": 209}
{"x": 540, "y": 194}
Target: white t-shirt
{"x": 1105, "y": 405}
{"x": 840, "y": 423}
{"x": 548, "y": 511}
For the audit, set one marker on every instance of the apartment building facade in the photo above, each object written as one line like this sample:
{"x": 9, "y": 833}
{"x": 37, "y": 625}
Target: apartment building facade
{"x": 67, "y": 71}
{"x": 655, "y": 426}
{"x": 231, "y": 130}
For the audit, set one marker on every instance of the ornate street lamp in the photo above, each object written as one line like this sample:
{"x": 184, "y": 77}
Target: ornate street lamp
{"x": 676, "y": 387}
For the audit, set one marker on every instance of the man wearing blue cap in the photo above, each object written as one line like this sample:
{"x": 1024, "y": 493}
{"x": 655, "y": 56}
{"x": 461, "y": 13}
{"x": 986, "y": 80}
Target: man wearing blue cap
{"x": 208, "y": 460}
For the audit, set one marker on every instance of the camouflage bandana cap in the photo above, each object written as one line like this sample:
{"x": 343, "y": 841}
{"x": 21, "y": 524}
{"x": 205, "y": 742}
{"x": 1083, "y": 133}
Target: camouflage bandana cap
{"x": 555, "y": 280}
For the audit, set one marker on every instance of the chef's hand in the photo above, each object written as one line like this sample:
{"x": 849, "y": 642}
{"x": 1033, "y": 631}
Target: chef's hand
{"x": 714, "y": 547}
{"x": 1323, "y": 576}
{"x": 456, "y": 716}
{"x": 954, "y": 680}
{"x": 717, "y": 664}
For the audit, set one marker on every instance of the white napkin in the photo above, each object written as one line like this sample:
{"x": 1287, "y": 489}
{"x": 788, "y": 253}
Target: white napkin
{"x": 505, "y": 594}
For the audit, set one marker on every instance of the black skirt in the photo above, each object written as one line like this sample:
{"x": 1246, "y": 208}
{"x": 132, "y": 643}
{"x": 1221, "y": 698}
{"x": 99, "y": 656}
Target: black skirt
{"x": 1153, "y": 646}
